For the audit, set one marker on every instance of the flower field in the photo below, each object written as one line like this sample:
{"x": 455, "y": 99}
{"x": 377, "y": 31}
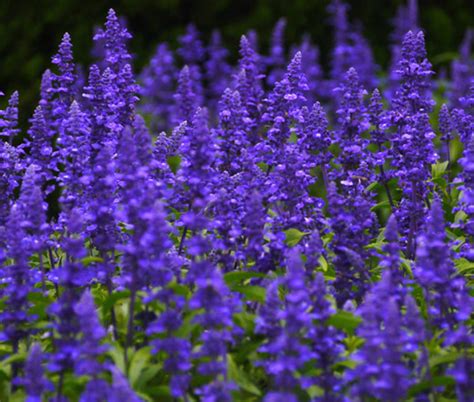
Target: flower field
{"x": 256, "y": 229}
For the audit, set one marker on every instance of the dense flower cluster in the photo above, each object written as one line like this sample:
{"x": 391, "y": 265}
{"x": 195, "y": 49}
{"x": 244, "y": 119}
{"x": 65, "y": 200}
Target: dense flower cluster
{"x": 257, "y": 230}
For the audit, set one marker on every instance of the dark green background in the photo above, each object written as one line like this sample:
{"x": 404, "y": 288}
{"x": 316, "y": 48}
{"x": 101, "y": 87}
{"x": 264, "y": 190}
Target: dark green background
{"x": 31, "y": 30}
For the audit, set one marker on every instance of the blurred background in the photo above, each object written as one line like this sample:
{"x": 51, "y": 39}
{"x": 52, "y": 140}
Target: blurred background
{"x": 30, "y": 31}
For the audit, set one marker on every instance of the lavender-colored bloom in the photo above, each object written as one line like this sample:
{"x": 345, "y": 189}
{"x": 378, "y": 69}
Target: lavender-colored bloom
{"x": 90, "y": 347}
{"x": 178, "y": 350}
{"x": 143, "y": 258}
{"x": 314, "y": 136}
{"x": 34, "y": 380}
{"x": 71, "y": 275}
{"x": 283, "y": 107}
{"x": 196, "y": 171}
{"x": 463, "y": 119}
{"x": 248, "y": 83}
{"x": 362, "y": 59}
{"x": 17, "y": 276}
{"x": 100, "y": 207}
{"x": 25, "y": 234}
{"x": 288, "y": 185}
{"x": 165, "y": 147}
{"x": 379, "y": 119}
{"x": 218, "y": 71}
{"x": 276, "y": 61}
{"x": 157, "y": 89}
{"x": 445, "y": 127}
{"x": 33, "y": 209}
{"x": 218, "y": 305}
{"x": 326, "y": 343}
{"x": 445, "y": 293}
{"x": 96, "y": 390}
{"x": 9, "y": 119}
{"x": 391, "y": 261}
{"x": 405, "y": 20}
{"x": 186, "y": 102}
{"x": 10, "y": 169}
{"x": 312, "y": 69}
{"x": 73, "y": 154}
{"x": 143, "y": 143}
{"x": 253, "y": 223}
{"x": 286, "y": 324}
{"x": 232, "y": 131}
{"x": 462, "y": 71}
{"x": 382, "y": 371}
{"x": 114, "y": 38}
{"x": 118, "y": 83}
{"x": 63, "y": 82}
{"x": 352, "y": 221}
{"x": 350, "y": 48}
{"x": 47, "y": 96}
{"x": 192, "y": 54}
{"x": 40, "y": 144}
{"x": 352, "y": 122}
{"x": 412, "y": 149}
{"x": 120, "y": 390}
{"x": 100, "y": 96}
{"x": 191, "y": 47}
{"x": 467, "y": 201}
{"x": 415, "y": 73}
{"x": 463, "y": 372}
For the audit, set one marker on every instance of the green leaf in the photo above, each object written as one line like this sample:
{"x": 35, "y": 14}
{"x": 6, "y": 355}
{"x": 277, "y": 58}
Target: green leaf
{"x": 235, "y": 277}
{"x": 91, "y": 259}
{"x": 464, "y": 266}
{"x": 345, "y": 321}
{"x": 240, "y": 377}
{"x": 293, "y": 236}
{"x": 252, "y": 293}
{"x": 112, "y": 299}
{"x": 181, "y": 290}
{"x": 138, "y": 363}
{"x": 380, "y": 205}
{"x": 443, "y": 359}
{"x": 174, "y": 162}
{"x": 323, "y": 263}
{"x": 161, "y": 392}
{"x": 148, "y": 373}
{"x": 427, "y": 385}
{"x": 117, "y": 356}
{"x": 439, "y": 169}
{"x": 245, "y": 320}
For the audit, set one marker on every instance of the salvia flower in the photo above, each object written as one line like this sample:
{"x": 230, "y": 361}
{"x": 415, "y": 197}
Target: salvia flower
{"x": 120, "y": 390}
{"x": 158, "y": 81}
{"x": 467, "y": 200}
{"x": 383, "y": 370}
{"x": 352, "y": 221}
{"x": 248, "y": 83}
{"x": 285, "y": 324}
{"x": 283, "y": 107}
{"x": 64, "y": 81}
{"x": 9, "y": 119}
{"x": 218, "y": 305}
{"x": 326, "y": 342}
{"x": 115, "y": 38}
{"x": 92, "y": 333}
{"x": 277, "y": 59}
{"x": 352, "y": 122}
{"x": 217, "y": 68}
{"x": 34, "y": 380}
{"x": 444, "y": 292}
{"x": 186, "y": 102}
